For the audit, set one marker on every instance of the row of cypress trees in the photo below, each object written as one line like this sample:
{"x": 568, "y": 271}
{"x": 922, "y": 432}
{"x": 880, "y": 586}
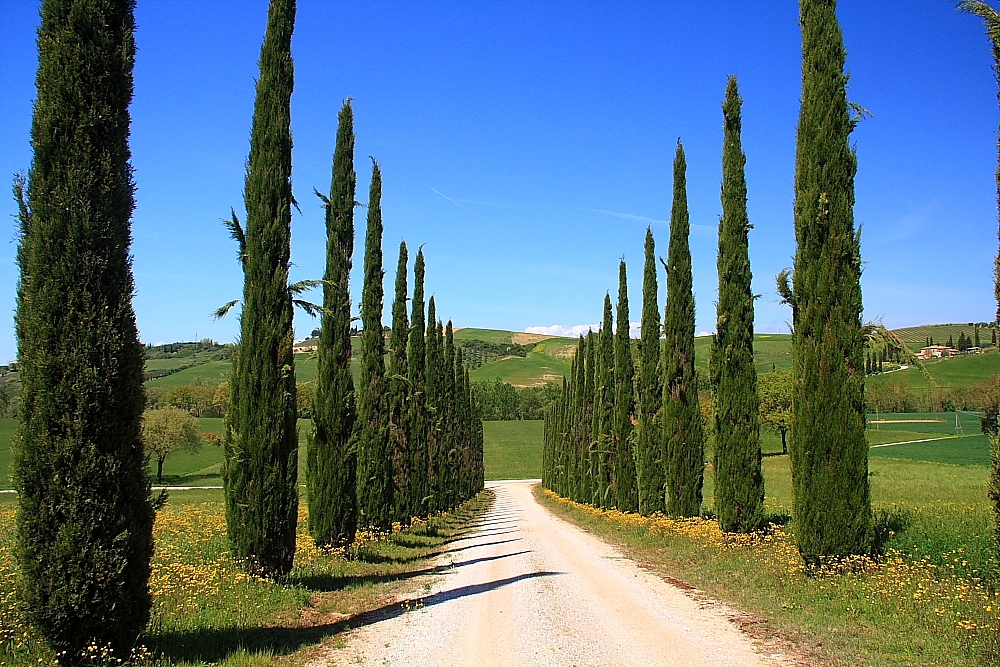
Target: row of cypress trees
{"x": 399, "y": 444}
{"x": 829, "y": 452}
{"x": 629, "y": 435}
{"x": 407, "y": 441}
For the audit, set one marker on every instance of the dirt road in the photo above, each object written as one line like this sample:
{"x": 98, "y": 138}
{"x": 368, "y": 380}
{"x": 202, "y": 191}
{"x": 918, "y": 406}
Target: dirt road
{"x": 526, "y": 588}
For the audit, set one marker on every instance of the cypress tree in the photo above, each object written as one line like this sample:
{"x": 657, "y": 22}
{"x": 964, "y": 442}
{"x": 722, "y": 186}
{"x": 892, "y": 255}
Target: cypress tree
{"x": 579, "y": 422}
{"x": 739, "y": 481}
{"x": 626, "y": 496}
{"x": 85, "y": 518}
{"x": 829, "y": 451}
{"x": 417, "y": 424}
{"x": 603, "y": 407}
{"x": 399, "y": 395}
{"x": 371, "y": 436}
{"x": 951, "y": 341}
{"x": 589, "y": 462}
{"x": 649, "y": 463}
{"x": 331, "y": 464}
{"x": 432, "y": 375}
{"x": 449, "y": 435}
{"x": 681, "y": 425}
{"x": 261, "y": 465}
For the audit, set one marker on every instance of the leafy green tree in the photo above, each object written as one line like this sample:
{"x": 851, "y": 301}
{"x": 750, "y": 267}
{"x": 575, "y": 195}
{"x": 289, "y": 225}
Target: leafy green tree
{"x": 169, "y": 430}
{"x": 331, "y": 463}
{"x": 829, "y": 450}
{"x": 649, "y": 463}
{"x": 680, "y": 422}
{"x": 371, "y": 433}
{"x": 261, "y": 465}
{"x": 739, "y": 480}
{"x": 626, "y": 496}
{"x": 85, "y": 513}
{"x": 776, "y": 392}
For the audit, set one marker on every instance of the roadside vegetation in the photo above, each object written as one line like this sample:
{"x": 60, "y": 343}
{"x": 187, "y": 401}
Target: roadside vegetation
{"x": 209, "y": 611}
{"x": 930, "y": 598}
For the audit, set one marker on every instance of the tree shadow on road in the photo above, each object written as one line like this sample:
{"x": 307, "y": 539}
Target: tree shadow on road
{"x": 215, "y": 644}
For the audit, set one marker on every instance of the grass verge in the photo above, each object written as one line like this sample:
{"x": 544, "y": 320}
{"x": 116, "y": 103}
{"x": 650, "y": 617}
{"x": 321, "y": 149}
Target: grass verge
{"x": 208, "y": 611}
{"x": 901, "y": 609}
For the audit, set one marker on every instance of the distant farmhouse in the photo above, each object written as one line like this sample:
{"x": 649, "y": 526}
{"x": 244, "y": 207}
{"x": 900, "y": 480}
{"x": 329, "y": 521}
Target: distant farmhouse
{"x": 305, "y": 346}
{"x": 942, "y": 351}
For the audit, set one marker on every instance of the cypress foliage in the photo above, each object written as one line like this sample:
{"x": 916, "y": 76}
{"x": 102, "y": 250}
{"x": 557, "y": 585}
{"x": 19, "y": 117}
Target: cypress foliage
{"x": 371, "y": 436}
{"x": 649, "y": 463}
{"x": 398, "y": 399}
{"x": 626, "y": 495}
{"x": 417, "y": 424}
{"x": 85, "y": 518}
{"x": 450, "y": 423}
{"x": 261, "y": 465}
{"x": 331, "y": 463}
{"x": 432, "y": 384}
{"x": 603, "y": 408}
{"x": 588, "y": 466}
{"x": 739, "y": 481}
{"x": 683, "y": 441}
{"x": 829, "y": 452}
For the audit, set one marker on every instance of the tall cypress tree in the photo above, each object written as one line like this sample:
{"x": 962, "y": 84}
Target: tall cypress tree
{"x": 649, "y": 463}
{"x": 626, "y": 496}
{"x": 739, "y": 481}
{"x": 449, "y": 435}
{"x": 604, "y": 380}
{"x": 331, "y": 464}
{"x": 371, "y": 434}
{"x": 683, "y": 441}
{"x": 432, "y": 388}
{"x": 829, "y": 451}
{"x": 399, "y": 406}
{"x": 417, "y": 425}
{"x": 261, "y": 465}
{"x": 588, "y": 466}
{"x": 85, "y": 517}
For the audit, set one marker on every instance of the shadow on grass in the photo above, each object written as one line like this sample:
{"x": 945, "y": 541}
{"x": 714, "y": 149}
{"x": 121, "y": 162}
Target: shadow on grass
{"x": 215, "y": 644}
{"x": 330, "y": 583}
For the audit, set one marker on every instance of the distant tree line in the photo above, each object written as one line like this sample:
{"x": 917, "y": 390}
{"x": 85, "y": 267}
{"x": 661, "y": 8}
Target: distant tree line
{"x": 499, "y": 401}
{"x": 480, "y": 352}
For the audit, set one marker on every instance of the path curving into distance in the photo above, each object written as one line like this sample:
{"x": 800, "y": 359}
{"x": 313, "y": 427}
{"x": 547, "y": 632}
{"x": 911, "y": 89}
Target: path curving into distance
{"x": 526, "y": 588}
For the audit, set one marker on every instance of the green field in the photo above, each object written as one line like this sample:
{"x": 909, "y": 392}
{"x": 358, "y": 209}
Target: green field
{"x": 513, "y": 449}
{"x": 955, "y": 372}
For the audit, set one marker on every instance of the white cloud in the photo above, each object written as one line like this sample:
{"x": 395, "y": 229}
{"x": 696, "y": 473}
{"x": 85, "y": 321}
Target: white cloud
{"x": 566, "y": 332}
{"x": 704, "y": 333}
{"x": 578, "y": 330}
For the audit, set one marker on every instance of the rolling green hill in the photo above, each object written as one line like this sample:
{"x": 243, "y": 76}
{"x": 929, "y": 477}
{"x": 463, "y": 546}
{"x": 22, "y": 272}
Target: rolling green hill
{"x": 916, "y": 337}
{"x": 550, "y": 357}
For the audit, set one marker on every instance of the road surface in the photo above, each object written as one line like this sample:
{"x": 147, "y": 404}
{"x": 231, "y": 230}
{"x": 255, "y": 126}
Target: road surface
{"x": 526, "y": 588}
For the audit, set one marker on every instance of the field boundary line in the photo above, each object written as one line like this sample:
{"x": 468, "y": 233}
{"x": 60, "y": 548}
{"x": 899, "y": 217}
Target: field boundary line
{"x": 910, "y": 442}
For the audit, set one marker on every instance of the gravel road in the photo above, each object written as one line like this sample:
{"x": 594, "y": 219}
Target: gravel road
{"x": 526, "y": 588}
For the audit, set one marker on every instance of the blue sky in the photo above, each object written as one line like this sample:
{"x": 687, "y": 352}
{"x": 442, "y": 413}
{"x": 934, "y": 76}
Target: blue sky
{"x": 528, "y": 145}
